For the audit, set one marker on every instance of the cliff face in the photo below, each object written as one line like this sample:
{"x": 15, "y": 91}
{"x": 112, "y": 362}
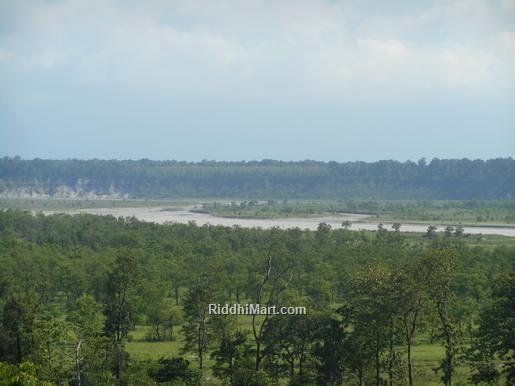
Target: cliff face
{"x": 35, "y": 188}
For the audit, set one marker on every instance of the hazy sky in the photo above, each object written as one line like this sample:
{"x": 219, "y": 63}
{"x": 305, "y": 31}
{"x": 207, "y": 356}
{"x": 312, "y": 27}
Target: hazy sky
{"x": 242, "y": 80}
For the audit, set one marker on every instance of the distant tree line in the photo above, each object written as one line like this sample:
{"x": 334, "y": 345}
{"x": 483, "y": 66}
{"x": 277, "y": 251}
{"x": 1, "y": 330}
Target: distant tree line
{"x": 437, "y": 179}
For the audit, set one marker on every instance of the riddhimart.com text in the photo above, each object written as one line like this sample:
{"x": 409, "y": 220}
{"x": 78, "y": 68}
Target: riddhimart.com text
{"x": 254, "y": 309}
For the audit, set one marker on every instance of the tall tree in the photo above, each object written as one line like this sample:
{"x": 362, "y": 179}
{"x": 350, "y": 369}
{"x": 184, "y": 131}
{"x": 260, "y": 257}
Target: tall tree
{"x": 330, "y": 350}
{"x": 440, "y": 266}
{"x": 119, "y": 309}
{"x": 495, "y": 337}
{"x": 411, "y": 294}
{"x": 288, "y": 337}
{"x": 374, "y": 308}
{"x": 89, "y": 347}
{"x": 18, "y": 322}
{"x": 196, "y": 328}
{"x": 270, "y": 283}
{"x": 232, "y": 347}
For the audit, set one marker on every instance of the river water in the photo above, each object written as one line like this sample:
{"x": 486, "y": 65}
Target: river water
{"x": 158, "y": 215}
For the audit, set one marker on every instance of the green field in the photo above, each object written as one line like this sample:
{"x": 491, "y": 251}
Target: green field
{"x": 426, "y": 356}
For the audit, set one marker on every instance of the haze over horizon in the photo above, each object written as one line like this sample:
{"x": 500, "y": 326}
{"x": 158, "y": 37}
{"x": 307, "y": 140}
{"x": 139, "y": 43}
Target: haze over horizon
{"x": 250, "y": 80}
{"x": 254, "y": 160}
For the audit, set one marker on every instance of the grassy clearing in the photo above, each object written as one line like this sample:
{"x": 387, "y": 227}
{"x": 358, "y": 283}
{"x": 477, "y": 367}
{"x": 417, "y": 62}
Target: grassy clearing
{"x": 139, "y": 348}
{"x": 426, "y": 356}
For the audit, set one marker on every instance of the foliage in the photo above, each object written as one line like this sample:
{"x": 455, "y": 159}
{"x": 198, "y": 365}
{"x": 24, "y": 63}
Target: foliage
{"x": 74, "y": 288}
{"x": 496, "y": 333}
{"x": 443, "y": 211}
{"x": 23, "y": 374}
{"x": 438, "y": 179}
{"x": 176, "y": 371}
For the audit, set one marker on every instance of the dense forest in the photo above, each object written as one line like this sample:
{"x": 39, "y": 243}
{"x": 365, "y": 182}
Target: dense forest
{"x": 437, "y": 179}
{"x": 82, "y": 297}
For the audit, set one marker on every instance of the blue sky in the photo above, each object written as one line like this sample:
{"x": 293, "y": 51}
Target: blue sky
{"x": 254, "y": 79}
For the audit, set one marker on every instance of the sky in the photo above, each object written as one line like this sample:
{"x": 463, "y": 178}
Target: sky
{"x": 257, "y": 79}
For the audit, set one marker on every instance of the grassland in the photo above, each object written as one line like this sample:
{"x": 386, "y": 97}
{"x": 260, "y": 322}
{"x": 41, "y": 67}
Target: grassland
{"x": 426, "y": 355}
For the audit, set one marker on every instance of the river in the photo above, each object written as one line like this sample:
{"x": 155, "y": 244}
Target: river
{"x": 158, "y": 215}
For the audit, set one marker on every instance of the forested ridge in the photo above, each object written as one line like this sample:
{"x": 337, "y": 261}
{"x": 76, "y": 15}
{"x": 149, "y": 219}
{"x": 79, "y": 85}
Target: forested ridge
{"x": 83, "y": 297}
{"x": 437, "y": 179}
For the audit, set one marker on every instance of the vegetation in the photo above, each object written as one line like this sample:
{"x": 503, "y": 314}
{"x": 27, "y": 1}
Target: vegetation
{"x": 74, "y": 204}
{"x": 465, "y": 212}
{"x": 438, "y": 179}
{"x": 96, "y": 300}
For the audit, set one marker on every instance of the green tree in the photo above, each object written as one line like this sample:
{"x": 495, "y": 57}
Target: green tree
{"x": 88, "y": 347}
{"x": 23, "y": 374}
{"x": 431, "y": 232}
{"x": 196, "y": 327}
{"x": 52, "y": 334}
{"x": 232, "y": 349}
{"x": 288, "y": 338}
{"x": 269, "y": 284}
{"x": 374, "y": 308}
{"x": 176, "y": 371}
{"x": 119, "y": 309}
{"x": 329, "y": 350}
{"x": 495, "y": 337}
{"x": 410, "y": 296}
{"x": 19, "y": 315}
{"x": 440, "y": 267}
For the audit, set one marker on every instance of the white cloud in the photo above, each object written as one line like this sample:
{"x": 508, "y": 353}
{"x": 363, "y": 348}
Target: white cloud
{"x": 462, "y": 68}
{"x": 505, "y": 41}
{"x": 390, "y": 49}
{"x": 5, "y": 56}
{"x": 508, "y": 6}
{"x": 255, "y": 46}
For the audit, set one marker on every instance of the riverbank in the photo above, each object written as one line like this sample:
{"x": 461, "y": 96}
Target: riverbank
{"x": 357, "y": 221}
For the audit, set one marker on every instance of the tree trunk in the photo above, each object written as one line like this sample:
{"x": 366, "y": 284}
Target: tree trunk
{"x": 258, "y": 354}
{"x": 410, "y": 369}
{"x": 390, "y": 362}
{"x": 77, "y": 363}
{"x": 449, "y": 349}
{"x": 200, "y": 345}
{"x": 449, "y": 359}
{"x": 378, "y": 370}
{"x": 409, "y": 330}
{"x": 19, "y": 354}
{"x": 176, "y": 288}
{"x": 118, "y": 369}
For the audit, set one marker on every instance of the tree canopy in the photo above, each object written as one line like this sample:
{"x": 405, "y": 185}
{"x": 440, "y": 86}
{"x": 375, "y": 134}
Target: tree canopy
{"x": 437, "y": 179}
